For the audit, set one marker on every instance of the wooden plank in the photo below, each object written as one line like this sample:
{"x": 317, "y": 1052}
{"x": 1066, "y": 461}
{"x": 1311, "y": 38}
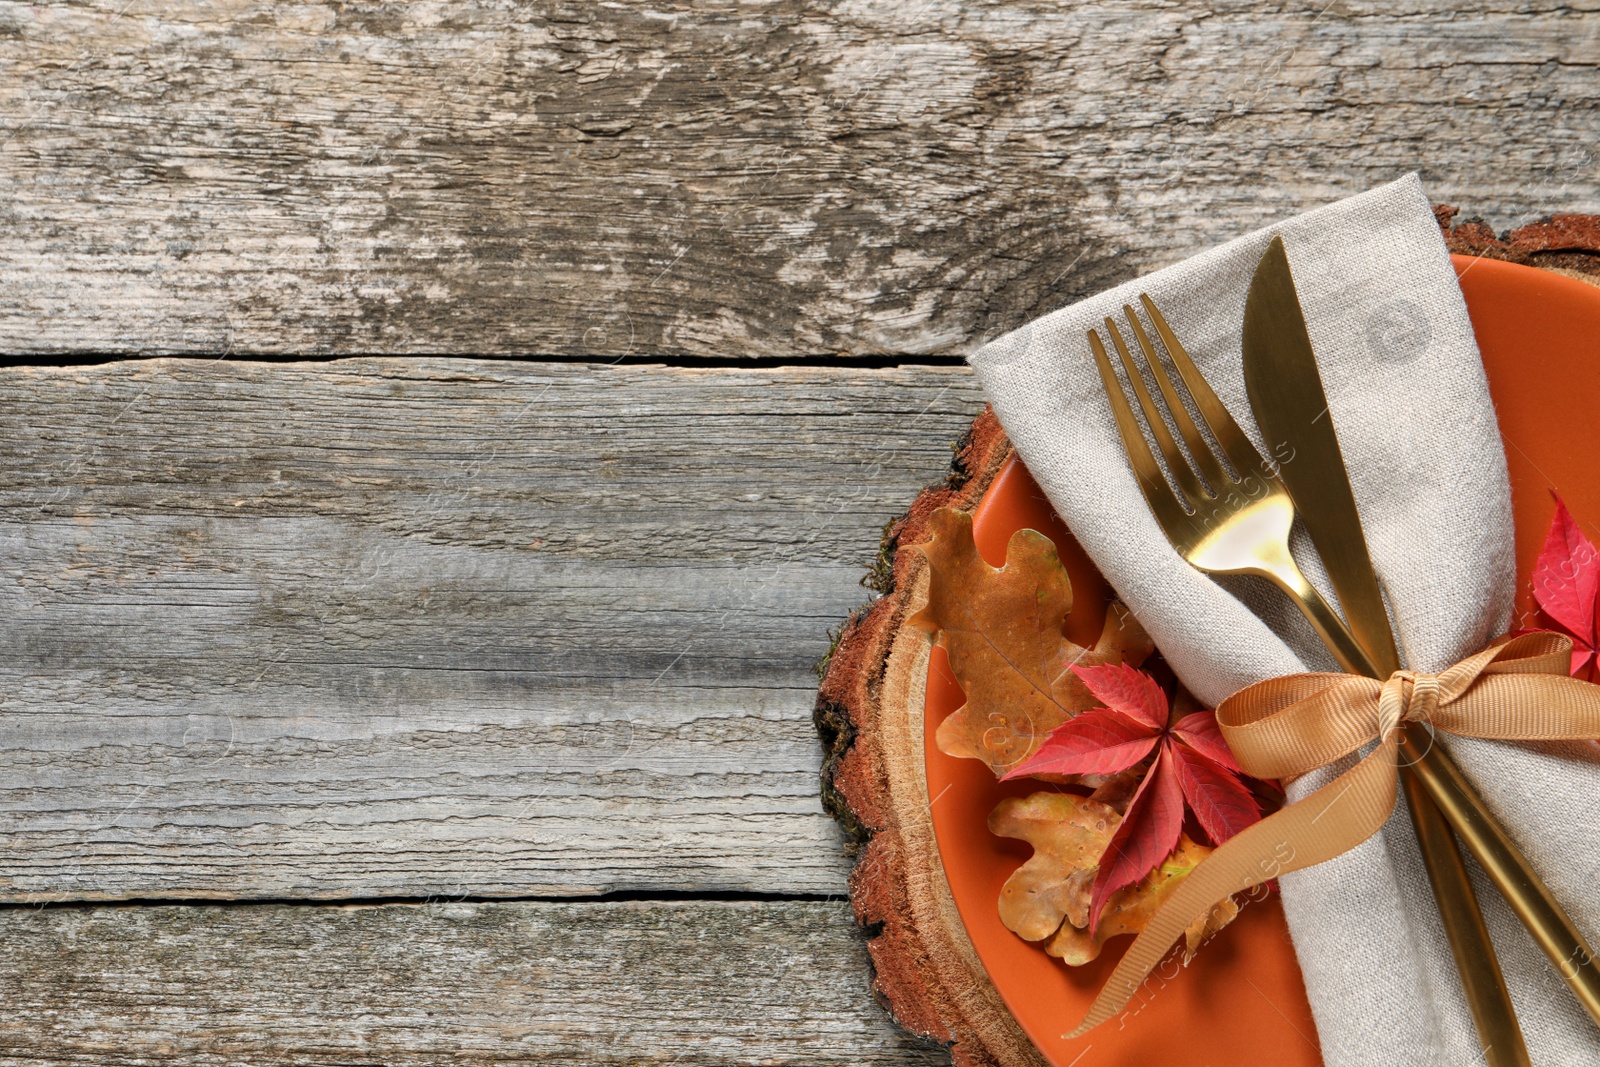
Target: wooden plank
{"x": 782, "y": 983}
{"x": 721, "y": 178}
{"x": 382, "y": 628}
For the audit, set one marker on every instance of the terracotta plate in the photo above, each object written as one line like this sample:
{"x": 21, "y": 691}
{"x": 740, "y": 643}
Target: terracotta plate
{"x": 1242, "y": 1002}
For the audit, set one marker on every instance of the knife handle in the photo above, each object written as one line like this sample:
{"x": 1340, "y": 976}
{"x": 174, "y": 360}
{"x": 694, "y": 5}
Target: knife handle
{"x": 1552, "y": 928}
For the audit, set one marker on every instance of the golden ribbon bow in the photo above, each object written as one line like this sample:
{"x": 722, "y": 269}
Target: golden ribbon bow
{"x": 1517, "y": 689}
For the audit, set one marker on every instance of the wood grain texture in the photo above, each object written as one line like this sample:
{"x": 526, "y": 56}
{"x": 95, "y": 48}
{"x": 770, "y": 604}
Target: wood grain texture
{"x": 384, "y": 628}
{"x": 564, "y": 985}
{"x": 727, "y": 179}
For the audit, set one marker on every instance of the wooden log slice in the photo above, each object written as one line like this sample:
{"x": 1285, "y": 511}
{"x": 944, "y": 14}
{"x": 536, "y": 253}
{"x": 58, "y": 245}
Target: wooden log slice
{"x": 869, "y": 714}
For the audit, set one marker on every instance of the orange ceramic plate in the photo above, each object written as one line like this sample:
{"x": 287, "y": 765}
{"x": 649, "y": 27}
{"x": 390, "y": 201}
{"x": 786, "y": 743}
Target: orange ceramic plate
{"x": 1241, "y": 1002}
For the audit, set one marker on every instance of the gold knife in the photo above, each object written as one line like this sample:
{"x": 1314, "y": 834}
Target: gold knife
{"x": 1290, "y": 406}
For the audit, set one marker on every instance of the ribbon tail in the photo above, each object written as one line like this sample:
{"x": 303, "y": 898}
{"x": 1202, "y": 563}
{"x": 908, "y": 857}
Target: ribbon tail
{"x": 1331, "y": 821}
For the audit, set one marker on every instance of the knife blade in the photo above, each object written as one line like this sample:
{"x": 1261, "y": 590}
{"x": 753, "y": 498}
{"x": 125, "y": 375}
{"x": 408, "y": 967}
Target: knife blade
{"x": 1291, "y": 408}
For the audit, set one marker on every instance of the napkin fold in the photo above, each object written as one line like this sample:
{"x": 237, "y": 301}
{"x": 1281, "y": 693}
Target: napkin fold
{"x": 1407, "y": 393}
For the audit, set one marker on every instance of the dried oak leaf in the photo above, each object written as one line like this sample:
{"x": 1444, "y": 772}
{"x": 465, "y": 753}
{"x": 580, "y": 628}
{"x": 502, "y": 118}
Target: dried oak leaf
{"x": 1049, "y": 896}
{"x": 1002, "y": 628}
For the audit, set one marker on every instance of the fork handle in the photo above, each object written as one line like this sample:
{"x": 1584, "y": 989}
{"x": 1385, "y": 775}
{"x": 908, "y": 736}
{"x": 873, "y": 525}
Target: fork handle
{"x": 1283, "y": 572}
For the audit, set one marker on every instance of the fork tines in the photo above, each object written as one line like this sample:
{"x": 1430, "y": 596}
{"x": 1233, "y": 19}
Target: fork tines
{"x": 1193, "y": 481}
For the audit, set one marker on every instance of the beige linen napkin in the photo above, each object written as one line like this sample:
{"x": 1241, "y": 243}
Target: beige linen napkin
{"x": 1406, "y": 389}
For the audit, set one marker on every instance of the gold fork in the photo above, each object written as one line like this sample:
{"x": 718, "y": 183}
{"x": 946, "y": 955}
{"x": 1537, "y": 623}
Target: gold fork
{"x": 1238, "y": 523}
{"x": 1241, "y": 524}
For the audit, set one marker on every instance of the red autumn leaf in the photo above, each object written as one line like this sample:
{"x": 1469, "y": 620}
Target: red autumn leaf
{"x": 1148, "y": 833}
{"x": 1096, "y": 742}
{"x": 1128, "y": 691}
{"x": 1218, "y": 799}
{"x": 1566, "y": 580}
{"x": 1581, "y": 658}
{"x": 1200, "y": 732}
{"x": 1566, "y": 584}
{"x": 1193, "y": 766}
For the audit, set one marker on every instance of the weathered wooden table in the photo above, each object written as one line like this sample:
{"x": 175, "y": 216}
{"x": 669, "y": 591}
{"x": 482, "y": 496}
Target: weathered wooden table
{"x": 418, "y": 668}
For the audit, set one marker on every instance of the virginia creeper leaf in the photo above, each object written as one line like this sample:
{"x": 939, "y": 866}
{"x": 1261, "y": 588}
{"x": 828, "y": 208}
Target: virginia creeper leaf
{"x": 1219, "y": 800}
{"x": 1040, "y": 705}
{"x": 1566, "y": 585}
{"x": 1096, "y": 742}
{"x": 1131, "y": 692}
{"x": 1200, "y": 732}
{"x": 1150, "y": 829}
